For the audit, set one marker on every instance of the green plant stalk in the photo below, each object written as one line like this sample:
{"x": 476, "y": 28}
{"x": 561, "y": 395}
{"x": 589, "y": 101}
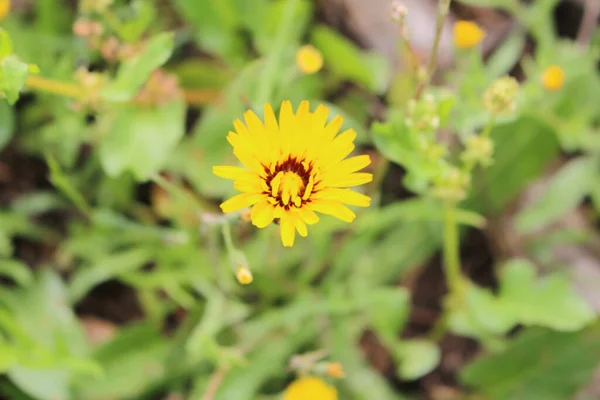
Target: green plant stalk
{"x": 452, "y": 249}
{"x": 60, "y": 181}
{"x": 266, "y": 83}
{"x": 443, "y": 9}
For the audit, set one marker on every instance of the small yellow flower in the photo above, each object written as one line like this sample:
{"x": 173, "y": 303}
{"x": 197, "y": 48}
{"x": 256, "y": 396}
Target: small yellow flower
{"x": 309, "y": 388}
{"x": 4, "y": 8}
{"x": 467, "y": 34}
{"x": 243, "y": 275}
{"x": 308, "y": 59}
{"x": 335, "y": 370}
{"x": 553, "y": 78}
{"x": 294, "y": 168}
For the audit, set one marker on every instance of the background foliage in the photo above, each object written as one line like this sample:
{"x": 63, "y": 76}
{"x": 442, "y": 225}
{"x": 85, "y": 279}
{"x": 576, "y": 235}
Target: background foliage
{"x": 115, "y": 279}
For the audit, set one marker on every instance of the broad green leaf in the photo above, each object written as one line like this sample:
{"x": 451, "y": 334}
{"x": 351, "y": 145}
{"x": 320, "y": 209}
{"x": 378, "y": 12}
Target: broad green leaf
{"x": 550, "y": 301}
{"x": 388, "y": 310}
{"x": 13, "y": 75}
{"x": 343, "y": 58}
{"x": 538, "y": 364}
{"x": 57, "y": 340}
{"x": 416, "y": 358}
{"x": 566, "y": 189}
{"x": 523, "y": 149}
{"x": 7, "y": 124}
{"x": 141, "y": 139}
{"x": 134, "y": 72}
{"x": 133, "y": 362}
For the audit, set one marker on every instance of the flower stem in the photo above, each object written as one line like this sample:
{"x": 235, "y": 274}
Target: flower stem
{"x": 443, "y": 9}
{"x": 451, "y": 249}
{"x": 55, "y": 87}
{"x": 71, "y": 90}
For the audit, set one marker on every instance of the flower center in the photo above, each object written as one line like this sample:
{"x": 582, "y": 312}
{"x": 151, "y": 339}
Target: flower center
{"x": 288, "y": 186}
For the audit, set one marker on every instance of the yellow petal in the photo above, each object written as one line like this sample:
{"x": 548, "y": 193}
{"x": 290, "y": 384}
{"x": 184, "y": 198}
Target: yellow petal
{"x": 288, "y": 231}
{"x": 308, "y": 215}
{"x": 345, "y": 196}
{"x": 249, "y": 184}
{"x": 262, "y": 214}
{"x": 333, "y": 128}
{"x": 358, "y": 178}
{"x": 229, "y": 172}
{"x": 240, "y": 201}
{"x": 300, "y": 226}
{"x": 348, "y": 166}
{"x": 320, "y": 116}
{"x": 333, "y": 208}
{"x": 270, "y": 120}
{"x": 303, "y": 109}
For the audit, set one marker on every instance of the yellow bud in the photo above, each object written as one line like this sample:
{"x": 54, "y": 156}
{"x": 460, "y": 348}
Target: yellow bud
{"x": 553, "y": 78}
{"x": 335, "y": 370}
{"x": 4, "y": 8}
{"x": 309, "y": 60}
{"x": 467, "y": 34}
{"x": 309, "y": 388}
{"x": 243, "y": 275}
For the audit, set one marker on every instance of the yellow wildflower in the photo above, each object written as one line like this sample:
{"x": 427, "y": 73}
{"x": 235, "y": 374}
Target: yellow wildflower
{"x": 308, "y": 59}
{"x": 335, "y": 370}
{"x": 4, "y": 8}
{"x": 294, "y": 167}
{"x": 243, "y": 275}
{"x": 553, "y": 78}
{"x": 467, "y": 34}
{"x": 309, "y": 388}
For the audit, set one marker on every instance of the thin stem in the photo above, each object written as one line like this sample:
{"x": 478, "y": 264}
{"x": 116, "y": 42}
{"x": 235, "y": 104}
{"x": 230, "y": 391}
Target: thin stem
{"x": 451, "y": 249}
{"x": 443, "y": 10}
{"x": 55, "y": 87}
{"x": 71, "y": 90}
{"x": 266, "y": 83}
{"x": 488, "y": 128}
{"x": 226, "y": 230}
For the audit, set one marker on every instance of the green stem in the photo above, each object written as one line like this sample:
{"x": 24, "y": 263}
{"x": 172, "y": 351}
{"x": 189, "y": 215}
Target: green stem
{"x": 451, "y": 249}
{"x": 488, "y": 128}
{"x": 61, "y": 182}
{"x": 231, "y": 250}
{"x": 266, "y": 83}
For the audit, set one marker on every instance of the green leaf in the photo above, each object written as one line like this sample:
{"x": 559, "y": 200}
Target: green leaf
{"x": 111, "y": 266}
{"x": 523, "y": 149}
{"x": 133, "y": 361}
{"x": 388, "y": 310}
{"x": 538, "y": 364}
{"x": 506, "y": 56}
{"x": 13, "y": 75}
{"x": 566, "y": 189}
{"x": 7, "y": 124}
{"x": 17, "y": 271}
{"x": 142, "y": 139}
{"x": 134, "y": 72}
{"x": 343, "y": 58}
{"x": 416, "y": 358}
{"x": 550, "y": 301}
{"x": 6, "y": 44}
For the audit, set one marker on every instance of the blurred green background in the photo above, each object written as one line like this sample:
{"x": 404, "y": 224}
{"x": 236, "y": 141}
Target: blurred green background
{"x": 115, "y": 279}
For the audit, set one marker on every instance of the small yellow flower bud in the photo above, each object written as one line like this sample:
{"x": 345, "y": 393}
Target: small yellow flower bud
{"x": 245, "y": 215}
{"x": 309, "y": 60}
{"x": 309, "y": 388}
{"x": 479, "y": 149}
{"x": 501, "y": 97}
{"x": 467, "y": 34}
{"x": 553, "y": 78}
{"x": 335, "y": 370}
{"x": 243, "y": 275}
{"x": 4, "y": 8}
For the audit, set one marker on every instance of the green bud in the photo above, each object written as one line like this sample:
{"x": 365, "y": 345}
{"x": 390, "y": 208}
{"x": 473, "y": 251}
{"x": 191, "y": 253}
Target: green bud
{"x": 501, "y": 97}
{"x": 479, "y": 150}
{"x": 422, "y": 115}
{"x": 451, "y": 184}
